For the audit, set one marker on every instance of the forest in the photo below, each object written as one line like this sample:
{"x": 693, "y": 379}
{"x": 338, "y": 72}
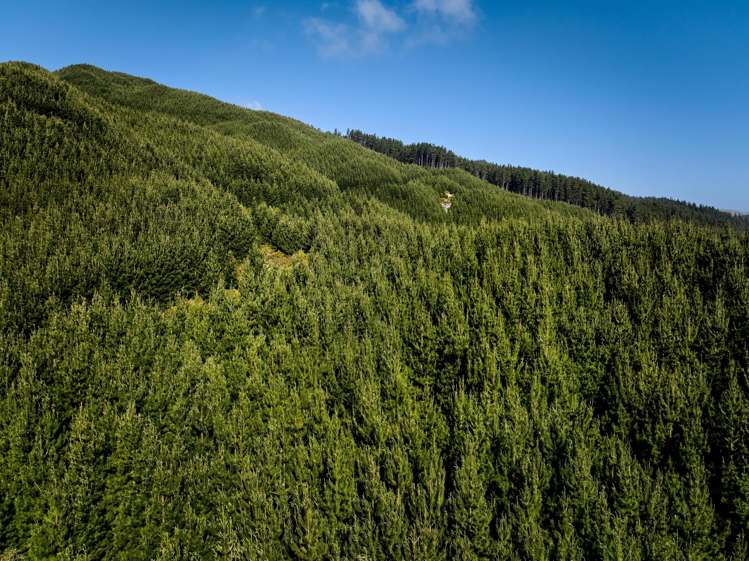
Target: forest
{"x": 225, "y": 334}
{"x": 550, "y": 185}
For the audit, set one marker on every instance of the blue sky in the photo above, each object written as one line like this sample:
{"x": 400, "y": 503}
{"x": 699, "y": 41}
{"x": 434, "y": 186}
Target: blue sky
{"x": 650, "y": 97}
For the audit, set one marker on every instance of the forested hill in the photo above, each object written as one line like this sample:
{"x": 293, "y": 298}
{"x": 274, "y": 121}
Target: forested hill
{"x": 549, "y": 185}
{"x": 227, "y": 335}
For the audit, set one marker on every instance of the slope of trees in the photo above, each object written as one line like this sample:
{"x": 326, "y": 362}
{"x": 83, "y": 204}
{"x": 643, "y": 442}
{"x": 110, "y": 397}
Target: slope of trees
{"x": 550, "y": 186}
{"x": 512, "y": 379}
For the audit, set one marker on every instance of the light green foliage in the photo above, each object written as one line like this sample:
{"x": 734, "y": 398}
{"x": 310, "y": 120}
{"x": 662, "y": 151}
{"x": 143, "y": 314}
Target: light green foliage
{"x": 226, "y": 335}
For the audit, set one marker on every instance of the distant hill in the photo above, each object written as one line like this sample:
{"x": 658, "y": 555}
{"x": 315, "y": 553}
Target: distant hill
{"x": 551, "y": 186}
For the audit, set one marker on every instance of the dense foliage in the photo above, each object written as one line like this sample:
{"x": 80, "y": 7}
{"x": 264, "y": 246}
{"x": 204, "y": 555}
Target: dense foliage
{"x": 551, "y": 186}
{"x": 224, "y": 334}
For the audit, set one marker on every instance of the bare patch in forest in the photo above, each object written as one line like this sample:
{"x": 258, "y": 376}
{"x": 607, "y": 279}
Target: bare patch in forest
{"x": 281, "y": 260}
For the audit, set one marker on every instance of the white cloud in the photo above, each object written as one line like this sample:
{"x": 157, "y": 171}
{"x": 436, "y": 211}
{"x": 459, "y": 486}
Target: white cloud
{"x": 370, "y": 25}
{"x": 377, "y": 18}
{"x": 255, "y": 105}
{"x": 333, "y": 39}
{"x": 365, "y": 36}
{"x": 457, "y": 11}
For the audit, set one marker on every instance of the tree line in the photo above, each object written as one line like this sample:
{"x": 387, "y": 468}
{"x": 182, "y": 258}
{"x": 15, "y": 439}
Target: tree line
{"x": 549, "y": 185}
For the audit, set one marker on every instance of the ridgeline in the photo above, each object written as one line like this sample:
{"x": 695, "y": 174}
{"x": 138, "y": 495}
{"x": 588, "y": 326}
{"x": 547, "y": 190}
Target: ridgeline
{"x": 552, "y": 186}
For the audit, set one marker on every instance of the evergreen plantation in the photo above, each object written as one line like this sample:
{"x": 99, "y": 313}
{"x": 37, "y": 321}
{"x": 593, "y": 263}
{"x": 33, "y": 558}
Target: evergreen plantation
{"x": 552, "y": 186}
{"x": 225, "y": 334}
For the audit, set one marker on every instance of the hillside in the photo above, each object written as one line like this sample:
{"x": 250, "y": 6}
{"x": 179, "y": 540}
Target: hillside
{"x": 552, "y": 186}
{"x": 225, "y": 334}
